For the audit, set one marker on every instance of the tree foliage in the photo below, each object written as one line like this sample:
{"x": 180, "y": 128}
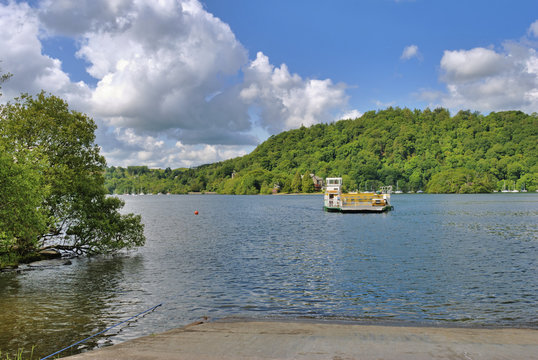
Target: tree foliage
{"x": 297, "y": 183}
{"x": 418, "y": 150}
{"x": 22, "y": 218}
{"x": 51, "y": 163}
{"x": 307, "y": 184}
{"x": 462, "y": 181}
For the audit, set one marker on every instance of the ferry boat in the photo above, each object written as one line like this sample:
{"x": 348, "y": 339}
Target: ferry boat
{"x": 335, "y": 200}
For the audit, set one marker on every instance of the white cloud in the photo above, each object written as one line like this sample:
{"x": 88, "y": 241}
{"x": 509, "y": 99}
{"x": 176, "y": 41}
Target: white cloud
{"x": 410, "y": 52}
{"x": 468, "y": 65}
{"x": 84, "y": 16}
{"x": 133, "y": 149}
{"x": 158, "y": 70}
{"x": 166, "y": 71}
{"x": 352, "y": 114}
{"x": 533, "y": 29}
{"x": 286, "y": 100}
{"x": 182, "y": 82}
{"x": 488, "y": 80}
{"x": 21, "y": 56}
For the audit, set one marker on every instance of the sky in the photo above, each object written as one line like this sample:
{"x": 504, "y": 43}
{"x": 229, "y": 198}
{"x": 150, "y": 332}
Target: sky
{"x": 180, "y": 83}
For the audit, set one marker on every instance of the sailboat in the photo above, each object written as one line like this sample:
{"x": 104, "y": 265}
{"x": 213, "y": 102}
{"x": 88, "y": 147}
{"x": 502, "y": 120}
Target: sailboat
{"x": 398, "y": 191}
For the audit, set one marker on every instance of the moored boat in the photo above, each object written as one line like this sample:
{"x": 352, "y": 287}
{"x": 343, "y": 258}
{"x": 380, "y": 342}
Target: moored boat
{"x": 335, "y": 200}
{"x": 398, "y": 191}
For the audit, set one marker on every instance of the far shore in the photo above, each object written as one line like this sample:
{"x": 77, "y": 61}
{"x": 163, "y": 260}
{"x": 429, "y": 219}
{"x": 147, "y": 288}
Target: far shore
{"x": 314, "y": 193}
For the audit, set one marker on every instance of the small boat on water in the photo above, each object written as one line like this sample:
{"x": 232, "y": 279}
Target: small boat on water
{"x": 398, "y": 191}
{"x": 335, "y": 200}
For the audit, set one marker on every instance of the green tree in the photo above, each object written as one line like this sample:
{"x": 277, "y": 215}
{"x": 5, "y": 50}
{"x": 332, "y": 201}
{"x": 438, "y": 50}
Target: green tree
{"x": 307, "y": 183}
{"x": 296, "y": 183}
{"x": 22, "y": 218}
{"x": 461, "y": 181}
{"x": 79, "y": 215}
{"x": 415, "y": 180}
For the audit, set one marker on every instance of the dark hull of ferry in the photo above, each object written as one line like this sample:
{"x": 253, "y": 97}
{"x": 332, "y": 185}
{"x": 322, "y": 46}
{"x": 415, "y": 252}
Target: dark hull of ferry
{"x": 363, "y": 209}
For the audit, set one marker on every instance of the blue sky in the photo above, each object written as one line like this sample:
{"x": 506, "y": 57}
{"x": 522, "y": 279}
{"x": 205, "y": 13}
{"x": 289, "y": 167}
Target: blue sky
{"x": 182, "y": 82}
{"x": 360, "y": 42}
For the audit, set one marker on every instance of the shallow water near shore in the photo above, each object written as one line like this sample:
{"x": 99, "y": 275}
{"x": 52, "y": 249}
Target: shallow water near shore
{"x": 440, "y": 260}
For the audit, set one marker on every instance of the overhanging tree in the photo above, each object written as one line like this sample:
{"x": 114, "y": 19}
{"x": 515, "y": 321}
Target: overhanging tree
{"x": 79, "y": 215}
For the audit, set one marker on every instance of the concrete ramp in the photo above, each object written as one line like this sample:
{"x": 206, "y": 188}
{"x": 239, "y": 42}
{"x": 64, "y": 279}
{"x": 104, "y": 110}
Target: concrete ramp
{"x": 253, "y": 339}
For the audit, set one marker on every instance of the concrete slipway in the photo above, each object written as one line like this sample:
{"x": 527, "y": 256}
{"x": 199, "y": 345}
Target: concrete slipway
{"x": 254, "y": 339}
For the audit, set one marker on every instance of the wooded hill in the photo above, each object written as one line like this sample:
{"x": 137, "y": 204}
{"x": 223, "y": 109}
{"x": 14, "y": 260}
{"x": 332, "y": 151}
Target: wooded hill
{"x": 412, "y": 150}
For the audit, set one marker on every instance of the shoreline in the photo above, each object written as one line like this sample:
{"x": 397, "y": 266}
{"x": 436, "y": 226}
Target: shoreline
{"x": 317, "y": 193}
{"x": 384, "y": 322}
{"x": 245, "y": 338}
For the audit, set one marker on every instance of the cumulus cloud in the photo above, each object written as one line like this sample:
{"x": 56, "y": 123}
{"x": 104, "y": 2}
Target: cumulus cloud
{"x": 126, "y": 147}
{"x": 84, "y": 16}
{"x": 21, "y": 55}
{"x": 158, "y": 71}
{"x": 486, "y": 80}
{"x": 469, "y": 65}
{"x": 168, "y": 73}
{"x": 410, "y": 52}
{"x": 352, "y": 114}
{"x": 286, "y": 100}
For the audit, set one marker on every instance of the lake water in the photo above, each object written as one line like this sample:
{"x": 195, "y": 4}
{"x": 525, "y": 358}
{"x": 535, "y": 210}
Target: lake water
{"x": 441, "y": 260}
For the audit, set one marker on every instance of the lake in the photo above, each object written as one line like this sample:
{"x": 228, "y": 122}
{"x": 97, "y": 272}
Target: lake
{"x": 437, "y": 260}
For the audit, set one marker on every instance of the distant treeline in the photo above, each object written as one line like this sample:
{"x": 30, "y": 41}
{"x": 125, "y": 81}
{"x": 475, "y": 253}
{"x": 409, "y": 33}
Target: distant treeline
{"x": 412, "y": 150}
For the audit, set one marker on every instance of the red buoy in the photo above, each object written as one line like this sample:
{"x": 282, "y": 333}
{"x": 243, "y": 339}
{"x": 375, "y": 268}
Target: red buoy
{"x": 196, "y": 212}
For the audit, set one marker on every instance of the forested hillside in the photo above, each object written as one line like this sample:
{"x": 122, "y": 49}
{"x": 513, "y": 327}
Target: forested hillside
{"x": 414, "y": 150}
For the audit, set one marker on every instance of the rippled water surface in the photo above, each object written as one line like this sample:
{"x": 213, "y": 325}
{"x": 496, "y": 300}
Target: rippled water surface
{"x": 469, "y": 260}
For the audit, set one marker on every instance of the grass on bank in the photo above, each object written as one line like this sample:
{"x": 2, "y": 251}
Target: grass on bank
{"x": 18, "y": 356}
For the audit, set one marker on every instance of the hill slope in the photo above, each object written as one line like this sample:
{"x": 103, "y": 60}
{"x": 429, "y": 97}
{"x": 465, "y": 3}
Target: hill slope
{"x": 428, "y": 150}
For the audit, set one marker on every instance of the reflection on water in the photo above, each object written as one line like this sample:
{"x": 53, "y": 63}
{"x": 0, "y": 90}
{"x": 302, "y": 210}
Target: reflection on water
{"x": 436, "y": 260}
{"x": 51, "y": 306}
